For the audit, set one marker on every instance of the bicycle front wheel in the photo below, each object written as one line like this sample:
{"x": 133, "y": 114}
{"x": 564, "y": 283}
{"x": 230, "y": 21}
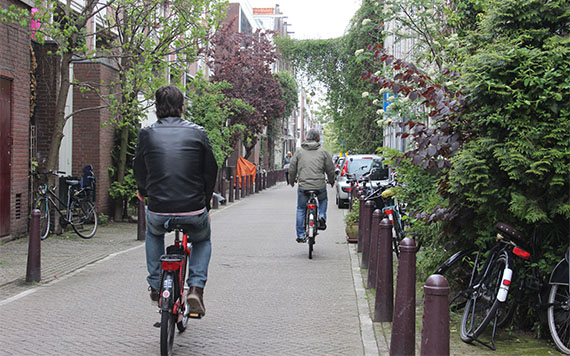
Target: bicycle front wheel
{"x": 42, "y": 204}
{"x": 84, "y": 218}
{"x": 559, "y": 316}
{"x": 483, "y": 304}
{"x": 167, "y": 322}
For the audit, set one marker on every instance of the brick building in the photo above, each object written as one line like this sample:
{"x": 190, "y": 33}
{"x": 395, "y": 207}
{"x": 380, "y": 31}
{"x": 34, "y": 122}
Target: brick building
{"x": 14, "y": 124}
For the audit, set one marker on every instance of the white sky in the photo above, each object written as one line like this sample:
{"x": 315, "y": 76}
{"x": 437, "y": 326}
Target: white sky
{"x": 314, "y": 19}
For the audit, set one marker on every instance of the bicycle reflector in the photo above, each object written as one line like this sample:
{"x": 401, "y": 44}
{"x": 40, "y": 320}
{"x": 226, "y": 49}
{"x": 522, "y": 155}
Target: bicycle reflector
{"x": 390, "y": 213}
{"x": 311, "y": 206}
{"x": 504, "y": 287}
{"x": 170, "y": 265}
{"x": 521, "y": 253}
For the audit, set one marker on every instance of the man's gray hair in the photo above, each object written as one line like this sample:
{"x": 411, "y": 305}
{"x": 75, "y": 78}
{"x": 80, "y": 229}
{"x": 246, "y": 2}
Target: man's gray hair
{"x": 313, "y": 135}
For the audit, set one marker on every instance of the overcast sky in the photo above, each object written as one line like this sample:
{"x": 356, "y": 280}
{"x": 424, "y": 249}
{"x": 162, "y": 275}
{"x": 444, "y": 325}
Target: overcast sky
{"x": 314, "y": 18}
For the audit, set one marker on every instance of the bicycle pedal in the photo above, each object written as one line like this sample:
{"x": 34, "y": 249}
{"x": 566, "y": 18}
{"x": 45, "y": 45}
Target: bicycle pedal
{"x": 157, "y": 324}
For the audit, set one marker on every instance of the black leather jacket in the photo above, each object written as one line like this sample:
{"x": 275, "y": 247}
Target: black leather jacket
{"x": 174, "y": 166}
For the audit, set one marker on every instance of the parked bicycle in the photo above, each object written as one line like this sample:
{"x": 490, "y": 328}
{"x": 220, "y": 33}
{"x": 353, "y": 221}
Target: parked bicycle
{"x": 173, "y": 305}
{"x": 311, "y": 219}
{"x": 497, "y": 280}
{"x": 78, "y": 210}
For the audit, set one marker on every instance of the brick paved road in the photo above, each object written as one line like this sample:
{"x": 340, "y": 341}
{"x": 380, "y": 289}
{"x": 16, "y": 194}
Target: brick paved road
{"x": 264, "y": 296}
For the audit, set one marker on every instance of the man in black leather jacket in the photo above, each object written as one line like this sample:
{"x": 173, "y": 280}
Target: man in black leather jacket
{"x": 176, "y": 169}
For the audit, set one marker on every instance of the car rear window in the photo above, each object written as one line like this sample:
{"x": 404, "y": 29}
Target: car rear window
{"x": 359, "y": 166}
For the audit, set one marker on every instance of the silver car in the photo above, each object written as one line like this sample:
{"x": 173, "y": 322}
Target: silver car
{"x": 357, "y": 166}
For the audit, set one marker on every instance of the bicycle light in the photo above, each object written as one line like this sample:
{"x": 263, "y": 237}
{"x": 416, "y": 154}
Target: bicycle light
{"x": 504, "y": 287}
{"x": 521, "y": 253}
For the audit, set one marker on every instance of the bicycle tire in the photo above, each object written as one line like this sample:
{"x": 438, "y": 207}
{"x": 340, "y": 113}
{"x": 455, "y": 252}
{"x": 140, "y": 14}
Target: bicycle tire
{"x": 482, "y": 306}
{"x": 311, "y": 243}
{"x": 42, "y": 204}
{"x": 558, "y": 315}
{"x": 84, "y": 218}
{"x": 167, "y": 319}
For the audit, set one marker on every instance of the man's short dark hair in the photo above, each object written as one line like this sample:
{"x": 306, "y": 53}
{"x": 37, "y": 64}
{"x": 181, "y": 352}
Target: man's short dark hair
{"x": 313, "y": 135}
{"x": 169, "y": 101}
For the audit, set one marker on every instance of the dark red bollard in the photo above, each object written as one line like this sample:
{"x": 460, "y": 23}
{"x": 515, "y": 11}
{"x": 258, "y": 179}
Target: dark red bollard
{"x": 251, "y": 184}
{"x": 237, "y": 187}
{"x": 34, "y": 266}
{"x": 223, "y": 184}
{"x": 384, "y": 302}
{"x": 403, "y": 338}
{"x": 373, "y": 258}
{"x": 368, "y": 209}
{"x": 231, "y": 189}
{"x": 435, "y": 321}
{"x": 247, "y": 183}
{"x": 243, "y": 183}
{"x": 141, "y": 222}
{"x": 360, "y": 225}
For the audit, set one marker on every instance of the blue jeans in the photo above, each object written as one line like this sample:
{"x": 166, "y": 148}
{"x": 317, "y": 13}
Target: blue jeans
{"x": 302, "y": 199}
{"x": 199, "y": 236}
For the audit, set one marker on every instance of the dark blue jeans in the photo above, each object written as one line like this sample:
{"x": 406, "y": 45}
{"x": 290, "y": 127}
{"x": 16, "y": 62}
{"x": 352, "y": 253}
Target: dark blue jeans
{"x": 302, "y": 199}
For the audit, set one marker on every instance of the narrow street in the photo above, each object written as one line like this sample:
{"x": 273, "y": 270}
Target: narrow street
{"x": 264, "y": 296}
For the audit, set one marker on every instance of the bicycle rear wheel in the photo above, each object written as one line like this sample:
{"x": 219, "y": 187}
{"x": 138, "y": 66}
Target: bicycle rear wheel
{"x": 168, "y": 319}
{"x": 311, "y": 243}
{"x": 84, "y": 218}
{"x": 483, "y": 304}
{"x": 42, "y": 204}
{"x": 184, "y": 310}
{"x": 559, "y": 316}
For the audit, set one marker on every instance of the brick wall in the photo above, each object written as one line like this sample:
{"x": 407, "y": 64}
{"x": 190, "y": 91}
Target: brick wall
{"x": 15, "y": 67}
{"x": 92, "y": 140}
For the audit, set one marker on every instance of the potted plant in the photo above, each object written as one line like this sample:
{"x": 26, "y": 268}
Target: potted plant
{"x": 351, "y": 221}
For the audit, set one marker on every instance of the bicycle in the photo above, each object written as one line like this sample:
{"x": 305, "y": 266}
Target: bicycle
{"x": 173, "y": 305}
{"x": 79, "y": 210}
{"x": 490, "y": 297}
{"x": 311, "y": 219}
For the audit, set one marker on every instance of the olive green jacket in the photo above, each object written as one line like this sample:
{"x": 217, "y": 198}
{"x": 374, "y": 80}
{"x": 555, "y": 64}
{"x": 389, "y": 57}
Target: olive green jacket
{"x": 309, "y": 165}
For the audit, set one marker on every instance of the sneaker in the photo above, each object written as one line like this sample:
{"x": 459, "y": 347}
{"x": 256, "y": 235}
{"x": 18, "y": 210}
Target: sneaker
{"x": 301, "y": 239}
{"x": 322, "y": 223}
{"x": 153, "y": 294}
{"x": 196, "y": 301}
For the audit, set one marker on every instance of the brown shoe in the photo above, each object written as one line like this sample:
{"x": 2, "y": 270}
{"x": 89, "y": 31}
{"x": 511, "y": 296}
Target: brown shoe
{"x": 196, "y": 301}
{"x": 153, "y": 294}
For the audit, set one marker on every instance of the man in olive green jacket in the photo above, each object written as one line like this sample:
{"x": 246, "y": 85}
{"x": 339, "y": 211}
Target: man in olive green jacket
{"x": 308, "y": 166}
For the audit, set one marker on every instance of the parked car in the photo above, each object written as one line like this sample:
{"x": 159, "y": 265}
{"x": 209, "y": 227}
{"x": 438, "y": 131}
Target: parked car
{"x": 356, "y": 166}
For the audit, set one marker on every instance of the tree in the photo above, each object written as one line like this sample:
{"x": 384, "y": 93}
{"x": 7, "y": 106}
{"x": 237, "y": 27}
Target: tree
{"x": 333, "y": 65}
{"x": 150, "y": 43}
{"x": 244, "y": 61}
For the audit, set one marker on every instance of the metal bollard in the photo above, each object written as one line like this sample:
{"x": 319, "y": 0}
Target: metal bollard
{"x": 435, "y": 321}
{"x": 34, "y": 266}
{"x": 141, "y": 222}
{"x": 246, "y": 185}
{"x": 257, "y": 182}
{"x": 373, "y": 257}
{"x": 242, "y": 186}
{"x": 231, "y": 189}
{"x": 215, "y": 202}
{"x": 251, "y": 184}
{"x": 384, "y": 303}
{"x": 403, "y": 338}
{"x": 360, "y": 224}
{"x": 237, "y": 189}
{"x": 223, "y": 184}
{"x": 368, "y": 209}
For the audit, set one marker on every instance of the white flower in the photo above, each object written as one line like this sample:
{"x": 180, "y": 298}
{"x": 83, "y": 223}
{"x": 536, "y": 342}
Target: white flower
{"x": 376, "y": 102}
{"x": 365, "y": 94}
{"x": 380, "y": 112}
{"x": 358, "y": 52}
{"x": 366, "y": 21}
{"x": 377, "y": 73}
{"x": 383, "y": 90}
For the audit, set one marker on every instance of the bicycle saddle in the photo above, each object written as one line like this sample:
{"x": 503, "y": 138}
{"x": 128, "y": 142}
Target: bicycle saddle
{"x": 177, "y": 226}
{"x": 510, "y": 231}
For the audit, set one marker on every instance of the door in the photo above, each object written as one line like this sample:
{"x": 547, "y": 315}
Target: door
{"x": 5, "y": 154}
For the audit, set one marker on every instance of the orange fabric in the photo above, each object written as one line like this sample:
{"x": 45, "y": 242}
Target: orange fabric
{"x": 243, "y": 168}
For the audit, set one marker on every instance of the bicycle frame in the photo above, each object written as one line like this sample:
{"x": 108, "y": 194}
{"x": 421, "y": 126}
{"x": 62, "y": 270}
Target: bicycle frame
{"x": 174, "y": 262}
{"x": 49, "y": 194}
